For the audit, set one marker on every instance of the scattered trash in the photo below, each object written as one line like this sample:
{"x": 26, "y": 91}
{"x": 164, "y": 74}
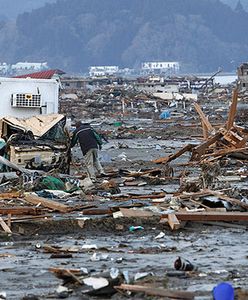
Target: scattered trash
{"x": 184, "y": 265}
{"x": 135, "y": 228}
{"x": 160, "y": 235}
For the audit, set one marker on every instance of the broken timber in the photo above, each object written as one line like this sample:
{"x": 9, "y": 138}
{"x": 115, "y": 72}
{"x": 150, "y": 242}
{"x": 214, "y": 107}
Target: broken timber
{"x": 4, "y": 226}
{"x": 19, "y": 210}
{"x": 173, "y": 222}
{"x": 33, "y": 199}
{"x": 164, "y": 160}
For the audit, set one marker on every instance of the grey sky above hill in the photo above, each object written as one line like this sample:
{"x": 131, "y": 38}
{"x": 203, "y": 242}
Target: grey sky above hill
{"x": 10, "y": 9}
{"x": 72, "y": 35}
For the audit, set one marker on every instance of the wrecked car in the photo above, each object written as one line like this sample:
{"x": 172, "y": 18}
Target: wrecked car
{"x": 40, "y": 142}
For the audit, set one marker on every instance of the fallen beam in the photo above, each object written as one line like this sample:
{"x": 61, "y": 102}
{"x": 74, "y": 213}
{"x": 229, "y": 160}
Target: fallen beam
{"x": 210, "y": 216}
{"x": 164, "y": 160}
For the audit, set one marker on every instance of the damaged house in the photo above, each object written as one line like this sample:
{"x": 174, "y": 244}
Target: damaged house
{"x": 30, "y": 95}
{"x": 39, "y": 142}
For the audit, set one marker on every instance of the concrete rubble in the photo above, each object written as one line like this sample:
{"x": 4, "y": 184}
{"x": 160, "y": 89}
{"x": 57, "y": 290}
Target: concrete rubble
{"x": 169, "y": 219}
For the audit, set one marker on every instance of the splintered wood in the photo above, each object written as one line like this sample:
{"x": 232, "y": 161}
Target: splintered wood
{"x": 229, "y": 139}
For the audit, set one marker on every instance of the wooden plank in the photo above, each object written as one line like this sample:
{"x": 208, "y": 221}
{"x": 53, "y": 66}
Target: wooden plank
{"x": 33, "y": 199}
{"x": 4, "y": 226}
{"x": 171, "y": 157}
{"x": 97, "y": 211}
{"x": 140, "y": 197}
{"x": 129, "y": 213}
{"x": 210, "y": 216}
{"x": 154, "y": 291}
{"x": 28, "y": 218}
{"x": 22, "y": 210}
{"x": 233, "y": 109}
{"x": 173, "y": 222}
{"x": 203, "y": 118}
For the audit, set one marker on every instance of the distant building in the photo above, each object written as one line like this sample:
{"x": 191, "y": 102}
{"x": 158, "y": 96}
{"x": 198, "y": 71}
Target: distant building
{"x": 24, "y": 67}
{"x": 243, "y": 75}
{"x": 97, "y": 71}
{"x": 160, "y": 67}
{"x": 4, "y": 68}
{"x": 74, "y": 83}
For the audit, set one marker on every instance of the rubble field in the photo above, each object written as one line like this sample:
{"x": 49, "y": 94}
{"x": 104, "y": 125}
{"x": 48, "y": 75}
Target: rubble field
{"x": 167, "y": 221}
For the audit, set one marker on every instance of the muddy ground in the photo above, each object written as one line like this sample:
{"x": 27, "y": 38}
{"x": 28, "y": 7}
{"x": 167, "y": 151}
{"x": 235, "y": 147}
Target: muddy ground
{"x": 219, "y": 253}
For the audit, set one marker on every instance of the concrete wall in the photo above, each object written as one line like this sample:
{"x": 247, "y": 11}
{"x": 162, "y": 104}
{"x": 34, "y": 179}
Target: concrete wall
{"x": 48, "y": 88}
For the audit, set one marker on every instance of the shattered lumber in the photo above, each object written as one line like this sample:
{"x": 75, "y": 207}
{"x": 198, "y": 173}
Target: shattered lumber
{"x": 33, "y": 199}
{"x": 154, "y": 291}
{"x": 23, "y": 210}
{"x": 4, "y": 226}
{"x": 210, "y": 216}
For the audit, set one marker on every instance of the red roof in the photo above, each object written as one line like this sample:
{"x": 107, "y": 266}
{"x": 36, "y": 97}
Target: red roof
{"x": 48, "y": 74}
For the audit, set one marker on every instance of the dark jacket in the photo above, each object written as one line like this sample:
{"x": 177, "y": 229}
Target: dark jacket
{"x": 86, "y": 136}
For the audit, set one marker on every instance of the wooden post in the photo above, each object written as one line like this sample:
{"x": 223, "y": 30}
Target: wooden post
{"x": 233, "y": 109}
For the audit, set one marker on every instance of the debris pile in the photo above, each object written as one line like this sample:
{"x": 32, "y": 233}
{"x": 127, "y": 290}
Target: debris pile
{"x": 127, "y": 232}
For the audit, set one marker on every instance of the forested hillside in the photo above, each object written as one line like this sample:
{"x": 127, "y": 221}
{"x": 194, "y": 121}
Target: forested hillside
{"x": 234, "y": 3}
{"x": 73, "y": 34}
{"x": 10, "y": 9}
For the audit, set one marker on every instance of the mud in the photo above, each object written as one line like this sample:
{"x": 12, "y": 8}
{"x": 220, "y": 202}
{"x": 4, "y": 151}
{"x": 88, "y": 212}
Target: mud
{"x": 220, "y": 255}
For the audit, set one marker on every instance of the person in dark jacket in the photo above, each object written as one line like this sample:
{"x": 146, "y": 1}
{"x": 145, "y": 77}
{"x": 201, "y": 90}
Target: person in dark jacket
{"x": 89, "y": 142}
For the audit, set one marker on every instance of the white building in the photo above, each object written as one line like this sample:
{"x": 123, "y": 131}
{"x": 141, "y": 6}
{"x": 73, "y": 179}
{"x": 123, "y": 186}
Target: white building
{"x": 29, "y": 66}
{"x": 26, "y": 97}
{"x": 160, "y": 66}
{"x": 103, "y": 70}
{"x": 4, "y": 68}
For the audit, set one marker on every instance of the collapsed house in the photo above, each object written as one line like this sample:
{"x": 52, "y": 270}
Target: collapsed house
{"x": 39, "y": 142}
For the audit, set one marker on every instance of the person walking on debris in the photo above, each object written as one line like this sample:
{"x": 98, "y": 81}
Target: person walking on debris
{"x": 90, "y": 141}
